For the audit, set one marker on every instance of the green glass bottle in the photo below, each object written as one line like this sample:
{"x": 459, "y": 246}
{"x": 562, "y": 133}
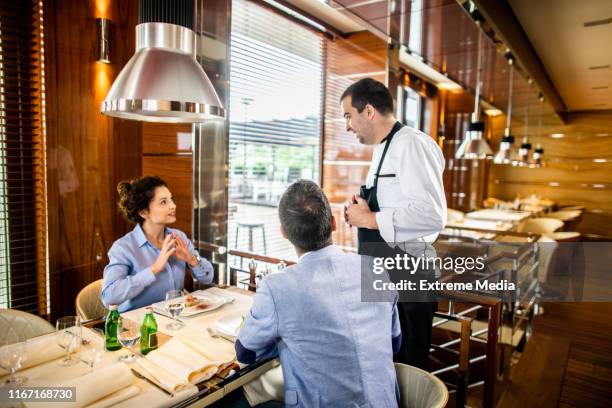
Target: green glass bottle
{"x": 111, "y": 342}
{"x": 148, "y": 333}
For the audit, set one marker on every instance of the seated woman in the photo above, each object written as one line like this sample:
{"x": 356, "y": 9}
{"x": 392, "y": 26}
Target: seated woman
{"x": 151, "y": 259}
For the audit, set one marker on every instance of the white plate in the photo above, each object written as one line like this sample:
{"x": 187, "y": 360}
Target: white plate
{"x": 208, "y": 302}
{"x": 230, "y": 325}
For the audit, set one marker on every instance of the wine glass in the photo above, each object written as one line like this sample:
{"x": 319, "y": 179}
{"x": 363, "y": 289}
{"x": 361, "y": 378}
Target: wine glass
{"x": 68, "y": 336}
{"x": 91, "y": 355}
{"x": 128, "y": 333}
{"x": 12, "y": 357}
{"x": 175, "y": 303}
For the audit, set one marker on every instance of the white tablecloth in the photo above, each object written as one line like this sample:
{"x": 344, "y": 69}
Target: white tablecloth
{"x": 498, "y": 215}
{"x": 52, "y": 374}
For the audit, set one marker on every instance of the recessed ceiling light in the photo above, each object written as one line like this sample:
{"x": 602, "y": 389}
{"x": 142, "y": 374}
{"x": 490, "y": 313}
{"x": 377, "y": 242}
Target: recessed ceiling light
{"x": 593, "y": 23}
{"x": 602, "y": 134}
{"x": 554, "y": 184}
{"x": 493, "y": 112}
{"x": 600, "y": 160}
{"x": 600, "y": 67}
{"x": 600, "y": 87}
{"x": 557, "y": 135}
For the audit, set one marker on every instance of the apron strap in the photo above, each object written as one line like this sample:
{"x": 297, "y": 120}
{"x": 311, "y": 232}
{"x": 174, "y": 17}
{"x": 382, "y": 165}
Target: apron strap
{"x": 388, "y": 138}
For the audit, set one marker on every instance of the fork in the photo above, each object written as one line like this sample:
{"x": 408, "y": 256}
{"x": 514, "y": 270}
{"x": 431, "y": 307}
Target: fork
{"x": 216, "y": 335}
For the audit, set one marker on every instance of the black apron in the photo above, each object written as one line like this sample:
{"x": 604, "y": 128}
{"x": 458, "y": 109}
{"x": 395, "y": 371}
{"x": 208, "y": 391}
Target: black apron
{"x": 415, "y": 317}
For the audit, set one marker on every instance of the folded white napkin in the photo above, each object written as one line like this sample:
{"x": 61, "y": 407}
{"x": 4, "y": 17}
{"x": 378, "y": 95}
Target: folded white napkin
{"x": 221, "y": 352}
{"x": 101, "y": 388}
{"x": 183, "y": 361}
{"x": 166, "y": 380}
{"x": 40, "y": 350}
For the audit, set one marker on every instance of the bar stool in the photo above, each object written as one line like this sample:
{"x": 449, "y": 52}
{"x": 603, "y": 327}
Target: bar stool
{"x": 251, "y": 225}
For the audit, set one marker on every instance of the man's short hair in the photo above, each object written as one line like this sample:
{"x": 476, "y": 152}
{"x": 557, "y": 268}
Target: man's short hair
{"x": 306, "y": 216}
{"x": 369, "y": 91}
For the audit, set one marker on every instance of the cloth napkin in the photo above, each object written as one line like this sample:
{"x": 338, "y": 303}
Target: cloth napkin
{"x": 102, "y": 388}
{"x": 168, "y": 381}
{"x": 183, "y": 361}
{"x": 39, "y": 350}
{"x": 221, "y": 352}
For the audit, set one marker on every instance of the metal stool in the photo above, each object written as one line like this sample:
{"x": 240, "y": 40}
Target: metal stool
{"x": 251, "y": 226}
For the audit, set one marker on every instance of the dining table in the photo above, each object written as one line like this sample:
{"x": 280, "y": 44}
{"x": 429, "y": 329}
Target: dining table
{"x": 112, "y": 382}
{"x": 499, "y": 215}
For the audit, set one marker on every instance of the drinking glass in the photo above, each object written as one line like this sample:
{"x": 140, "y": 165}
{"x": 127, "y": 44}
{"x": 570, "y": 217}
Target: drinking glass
{"x": 68, "y": 336}
{"x": 12, "y": 357}
{"x": 175, "y": 303}
{"x": 91, "y": 355}
{"x": 128, "y": 334}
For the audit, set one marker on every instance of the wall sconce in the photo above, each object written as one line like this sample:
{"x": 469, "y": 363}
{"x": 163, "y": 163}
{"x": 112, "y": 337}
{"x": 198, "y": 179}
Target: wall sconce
{"x": 103, "y": 53}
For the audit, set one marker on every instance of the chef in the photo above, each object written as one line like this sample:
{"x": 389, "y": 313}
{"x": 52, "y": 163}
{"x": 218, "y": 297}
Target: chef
{"x": 402, "y": 207}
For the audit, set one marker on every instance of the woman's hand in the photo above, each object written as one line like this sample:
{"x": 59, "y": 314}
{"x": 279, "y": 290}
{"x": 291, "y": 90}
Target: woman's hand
{"x": 168, "y": 249}
{"x": 182, "y": 252}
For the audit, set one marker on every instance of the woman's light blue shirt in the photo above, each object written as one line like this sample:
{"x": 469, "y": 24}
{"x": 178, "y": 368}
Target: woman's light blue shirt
{"x": 128, "y": 279}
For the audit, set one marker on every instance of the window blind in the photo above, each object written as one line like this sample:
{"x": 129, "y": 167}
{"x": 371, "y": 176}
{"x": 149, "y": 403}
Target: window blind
{"x": 22, "y": 187}
{"x": 276, "y": 99}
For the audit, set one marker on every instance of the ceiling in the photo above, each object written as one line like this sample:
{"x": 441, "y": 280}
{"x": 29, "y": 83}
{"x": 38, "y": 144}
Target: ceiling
{"x": 569, "y": 50}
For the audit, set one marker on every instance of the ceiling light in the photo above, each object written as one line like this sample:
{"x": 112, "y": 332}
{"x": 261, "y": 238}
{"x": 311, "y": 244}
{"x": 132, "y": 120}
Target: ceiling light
{"x": 557, "y": 135}
{"x": 600, "y": 160}
{"x": 602, "y": 134}
{"x": 599, "y": 67}
{"x": 474, "y": 146}
{"x": 163, "y": 82}
{"x": 506, "y": 153}
{"x": 594, "y": 23}
{"x": 493, "y": 112}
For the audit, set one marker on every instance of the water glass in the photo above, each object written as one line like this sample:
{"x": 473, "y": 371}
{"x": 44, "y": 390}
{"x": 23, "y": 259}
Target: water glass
{"x": 68, "y": 335}
{"x": 91, "y": 356}
{"x": 128, "y": 334}
{"x": 175, "y": 303}
{"x": 12, "y": 357}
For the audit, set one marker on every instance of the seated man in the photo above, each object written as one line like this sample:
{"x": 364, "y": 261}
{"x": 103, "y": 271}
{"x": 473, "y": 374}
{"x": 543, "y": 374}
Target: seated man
{"x": 335, "y": 350}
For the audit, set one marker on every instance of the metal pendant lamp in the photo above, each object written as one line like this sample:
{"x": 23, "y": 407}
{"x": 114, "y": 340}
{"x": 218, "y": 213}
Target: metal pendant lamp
{"x": 475, "y": 146}
{"x": 538, "y": 152}
{"x": 525, "y": 149}
{"x": 163, "y": 82}
{"x": 507, "y": 154}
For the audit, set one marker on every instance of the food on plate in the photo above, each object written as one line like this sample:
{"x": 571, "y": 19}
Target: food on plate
{"x": 191, "y": 301}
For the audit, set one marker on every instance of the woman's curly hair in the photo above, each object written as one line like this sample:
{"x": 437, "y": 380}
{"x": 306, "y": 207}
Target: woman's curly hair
{"x": 135, "y": 196}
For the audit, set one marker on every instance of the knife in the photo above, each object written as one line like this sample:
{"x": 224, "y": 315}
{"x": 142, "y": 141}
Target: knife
{"x": 150, "y": 381}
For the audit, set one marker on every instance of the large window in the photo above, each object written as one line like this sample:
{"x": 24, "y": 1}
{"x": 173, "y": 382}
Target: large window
{"x": 23, "y": 275}
{"x": 276, "y": 76}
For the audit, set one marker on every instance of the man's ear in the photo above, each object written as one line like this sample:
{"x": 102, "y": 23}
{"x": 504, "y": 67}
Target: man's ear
{"x": 370, "y": 111}
{"x": 282, "y": 231}
{"x": 333, "y": 223}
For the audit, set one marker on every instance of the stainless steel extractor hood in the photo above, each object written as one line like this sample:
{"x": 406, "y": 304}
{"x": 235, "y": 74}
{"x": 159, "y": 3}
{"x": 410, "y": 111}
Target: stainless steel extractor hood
{"x": 163, "y": 82}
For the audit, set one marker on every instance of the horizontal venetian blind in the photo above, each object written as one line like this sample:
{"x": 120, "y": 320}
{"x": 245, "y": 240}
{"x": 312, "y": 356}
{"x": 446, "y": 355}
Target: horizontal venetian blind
{"x": 276, "y": 97}
{"x": 22, "y": 191}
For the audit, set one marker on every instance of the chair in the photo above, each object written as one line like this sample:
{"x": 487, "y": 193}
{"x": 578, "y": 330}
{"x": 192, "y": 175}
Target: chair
{"x": 251, "y": 225}
{"x": 16, "y": 326}
{"x": 570, "y": 218}
{"x": 565, "y": 215}
{"x": 419, "y": 389}
{"x": 454, "y": 215}
{"x": 88, "y": 303}
{"x": 572, "y": 208}
{"x": 565, "y": 236}
{"x": 540, "y": 225}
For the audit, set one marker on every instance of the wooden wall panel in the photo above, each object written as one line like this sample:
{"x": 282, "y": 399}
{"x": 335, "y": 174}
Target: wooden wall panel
{"x": 178, "y": 174}
{"x": 87, "y": 153}
{"x": 578, "y": 169}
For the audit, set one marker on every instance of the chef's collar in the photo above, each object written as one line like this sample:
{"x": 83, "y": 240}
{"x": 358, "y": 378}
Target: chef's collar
{"x": 393, "y": 131}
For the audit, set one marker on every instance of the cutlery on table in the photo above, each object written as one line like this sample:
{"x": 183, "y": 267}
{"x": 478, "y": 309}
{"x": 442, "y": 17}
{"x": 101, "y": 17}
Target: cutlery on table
{"x": 216, "y": 335}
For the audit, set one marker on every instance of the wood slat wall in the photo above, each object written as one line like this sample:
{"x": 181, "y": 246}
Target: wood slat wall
{"x": 571, "y": 176}
{"x": 88, "y": 153}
